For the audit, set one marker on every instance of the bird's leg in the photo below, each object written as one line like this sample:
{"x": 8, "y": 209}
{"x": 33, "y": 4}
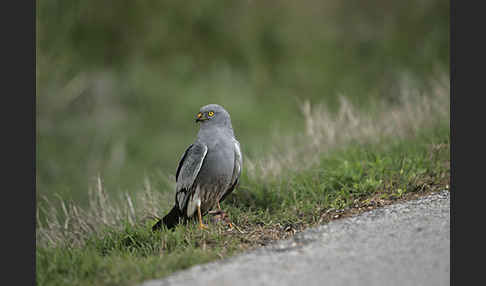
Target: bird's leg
{"x": 218, "y": 211}
{"x": 229, "y": 222}
{"x": 219, "y": 215}
{"x": 201, "y": 225}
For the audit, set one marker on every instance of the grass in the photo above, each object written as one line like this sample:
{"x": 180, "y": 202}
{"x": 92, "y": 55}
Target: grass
{"x": 347, "y": 182}
{"x": 322, "y": 178}
{"x": 118, "y": 82}
{"x": 334, "y": 103}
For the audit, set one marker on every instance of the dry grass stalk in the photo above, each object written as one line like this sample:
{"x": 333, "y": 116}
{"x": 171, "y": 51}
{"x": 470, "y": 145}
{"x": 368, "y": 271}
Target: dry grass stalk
{"x": 323, "y": 132}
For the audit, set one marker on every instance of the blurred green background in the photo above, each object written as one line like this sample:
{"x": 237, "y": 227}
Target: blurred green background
{"x": 119, "y": 82}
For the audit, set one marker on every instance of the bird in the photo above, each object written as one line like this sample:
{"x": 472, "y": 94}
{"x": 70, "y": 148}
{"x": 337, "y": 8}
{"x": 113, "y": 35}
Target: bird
{"x": 208, "y": 171}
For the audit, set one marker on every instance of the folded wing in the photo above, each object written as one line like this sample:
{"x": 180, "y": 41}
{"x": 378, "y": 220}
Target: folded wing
{"x": 187, "y": 172}
{"x": 238, "y": 165}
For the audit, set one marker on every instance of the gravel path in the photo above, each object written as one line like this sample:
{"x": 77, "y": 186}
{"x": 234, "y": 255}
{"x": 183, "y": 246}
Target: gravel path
{"x": 401, "y": 244}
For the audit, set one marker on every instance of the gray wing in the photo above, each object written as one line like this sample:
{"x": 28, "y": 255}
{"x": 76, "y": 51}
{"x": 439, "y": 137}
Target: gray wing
{"x": 187, "y": 171}
{"x": 238, "y": 165}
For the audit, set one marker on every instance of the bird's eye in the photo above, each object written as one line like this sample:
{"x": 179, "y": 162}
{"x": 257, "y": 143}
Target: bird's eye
{"x": 211, "y": 113}
{"x": 199, "y": 115}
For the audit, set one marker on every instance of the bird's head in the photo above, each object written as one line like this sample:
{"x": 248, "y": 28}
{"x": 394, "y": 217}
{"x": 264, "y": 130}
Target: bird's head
{"x": 213, "y": 115}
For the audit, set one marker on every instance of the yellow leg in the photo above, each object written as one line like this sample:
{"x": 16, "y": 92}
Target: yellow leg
{"x": 229, "y": 223}
{"x": 201, "y": 225}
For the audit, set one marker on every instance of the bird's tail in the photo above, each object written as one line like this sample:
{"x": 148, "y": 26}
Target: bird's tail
{"x": 170, "y": 220}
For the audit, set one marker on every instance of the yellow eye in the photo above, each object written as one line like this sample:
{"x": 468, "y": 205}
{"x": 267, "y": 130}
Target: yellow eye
{"x": 211, "y": 113}
{"x": 199, "y": 115}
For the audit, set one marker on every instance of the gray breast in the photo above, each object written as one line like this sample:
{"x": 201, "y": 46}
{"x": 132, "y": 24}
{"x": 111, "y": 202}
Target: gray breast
{"x": 215, "y": 175}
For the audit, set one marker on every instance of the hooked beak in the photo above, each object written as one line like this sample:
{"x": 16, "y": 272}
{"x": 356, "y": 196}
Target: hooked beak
{"x": 201, "y": 117}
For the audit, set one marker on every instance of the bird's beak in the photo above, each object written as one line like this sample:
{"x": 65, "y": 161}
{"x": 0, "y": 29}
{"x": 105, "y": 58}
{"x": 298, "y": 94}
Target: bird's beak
{"x": 200, "y": 117}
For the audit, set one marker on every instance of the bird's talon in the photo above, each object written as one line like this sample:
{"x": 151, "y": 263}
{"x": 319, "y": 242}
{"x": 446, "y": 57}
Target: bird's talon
{"x": 203, "y": 227}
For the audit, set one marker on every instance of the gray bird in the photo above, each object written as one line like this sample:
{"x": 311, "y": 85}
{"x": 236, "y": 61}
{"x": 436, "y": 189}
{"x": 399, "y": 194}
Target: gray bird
{"x": 209, "y": 169}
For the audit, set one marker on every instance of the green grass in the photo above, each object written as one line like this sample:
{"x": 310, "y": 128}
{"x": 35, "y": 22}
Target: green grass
{"x": 349, "y": 179}
{"x": 119, "y": 82}
{"x": 339, "y": 107}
